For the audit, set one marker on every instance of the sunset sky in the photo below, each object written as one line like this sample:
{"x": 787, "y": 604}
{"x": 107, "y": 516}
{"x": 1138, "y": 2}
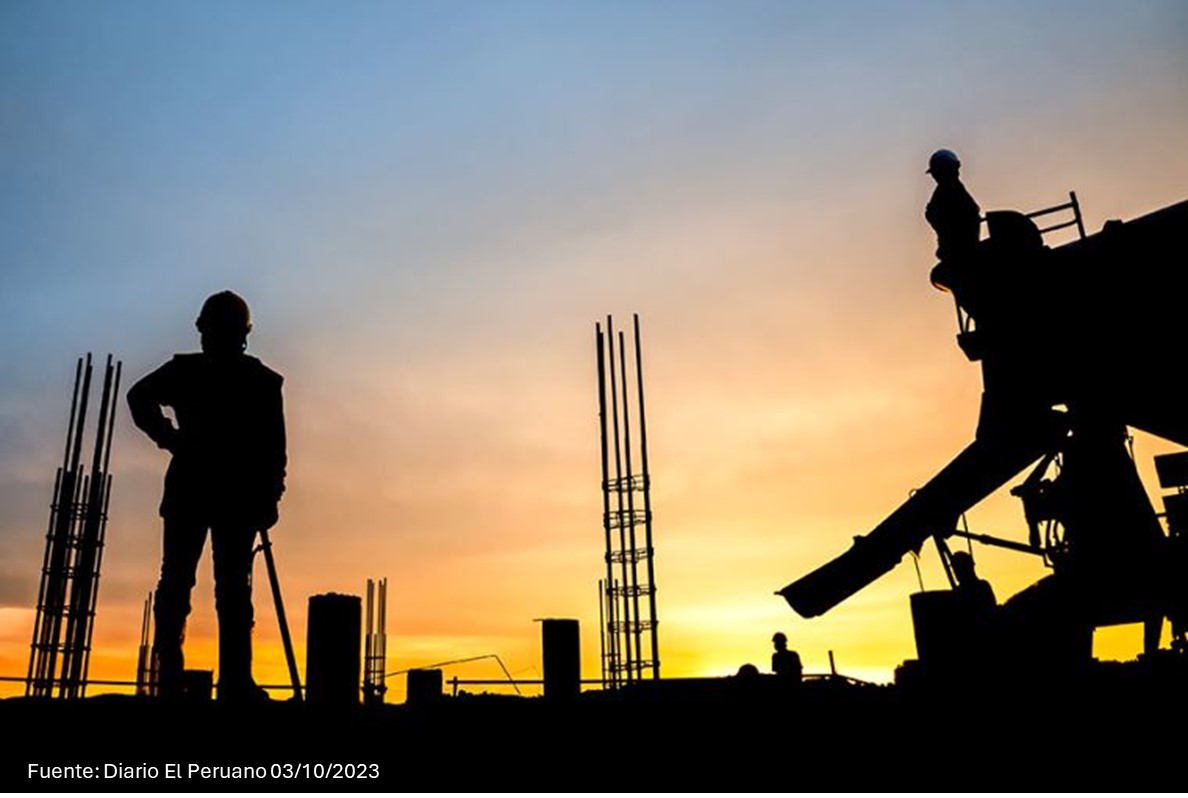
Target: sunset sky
{"x": 428, "y": 207}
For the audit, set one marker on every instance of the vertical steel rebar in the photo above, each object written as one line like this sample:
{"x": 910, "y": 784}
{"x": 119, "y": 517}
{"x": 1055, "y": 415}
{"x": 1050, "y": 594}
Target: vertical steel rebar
{"x": 615, "y": 625}
{"x": 34, "y": 676}
{"x": 368, "y": 643}
{"x": 606, "y": 510}
{"x": 629, "y": 489}
{"x": 100, "y": 543}
{"x": 646, "y": 478}
{"x": 382, "y": 655}
{"x": 86, "y": 659}
{"x": 142, "y": 653}
{"x": 602, "y": 633}
{"x": 626, "y": 621}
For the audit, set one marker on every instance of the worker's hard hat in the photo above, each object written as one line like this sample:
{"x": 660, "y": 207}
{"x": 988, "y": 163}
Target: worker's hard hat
{"x": 225, "y": 312}
{"x": 779, "y": 637}
{"x": 942, "y": 159}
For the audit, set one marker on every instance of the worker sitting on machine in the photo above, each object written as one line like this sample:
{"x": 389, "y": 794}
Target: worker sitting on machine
{"x": 784, "y": 662}
{"x": 970, "y": 586}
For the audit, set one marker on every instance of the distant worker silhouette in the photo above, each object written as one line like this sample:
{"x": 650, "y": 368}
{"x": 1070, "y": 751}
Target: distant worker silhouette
{"x": 951, "y": 211}
{"x": 969, "y": 585}
{"x": 784, "y": 662}
{"x": 226, "y": 476}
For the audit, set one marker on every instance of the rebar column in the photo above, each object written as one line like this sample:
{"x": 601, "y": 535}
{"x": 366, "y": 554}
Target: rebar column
{"x": 60, "y": 651}
{"x": 624, "y": 622}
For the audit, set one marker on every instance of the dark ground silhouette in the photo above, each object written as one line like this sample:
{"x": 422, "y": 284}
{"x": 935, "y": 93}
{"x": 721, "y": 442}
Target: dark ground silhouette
{"x": 1102, "y": 732}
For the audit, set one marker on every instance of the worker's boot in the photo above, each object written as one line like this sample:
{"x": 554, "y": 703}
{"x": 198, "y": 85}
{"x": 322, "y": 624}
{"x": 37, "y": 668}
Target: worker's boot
{"x": 169, "y": 621}
{"x": 236, "y": 685}
{"x": 168, "y": 659}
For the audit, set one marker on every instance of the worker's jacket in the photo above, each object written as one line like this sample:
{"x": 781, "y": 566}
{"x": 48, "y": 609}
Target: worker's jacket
{"x": 229, "y": 443}
{"x": 956, "y": 218}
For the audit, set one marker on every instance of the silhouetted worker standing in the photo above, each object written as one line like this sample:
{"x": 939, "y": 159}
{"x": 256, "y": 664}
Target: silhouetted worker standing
{"x": 951, "y": 211}
{"x": 784, "y": 662}
{"x": 226, "y": 476}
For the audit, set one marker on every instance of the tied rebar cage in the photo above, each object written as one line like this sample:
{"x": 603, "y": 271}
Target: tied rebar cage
{"x": 627, "y": 593}
{"x": 60, "y": 652}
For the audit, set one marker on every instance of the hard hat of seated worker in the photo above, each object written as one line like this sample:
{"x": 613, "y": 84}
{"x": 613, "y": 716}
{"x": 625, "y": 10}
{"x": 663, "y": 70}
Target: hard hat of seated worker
{"x": 942, "y": 159}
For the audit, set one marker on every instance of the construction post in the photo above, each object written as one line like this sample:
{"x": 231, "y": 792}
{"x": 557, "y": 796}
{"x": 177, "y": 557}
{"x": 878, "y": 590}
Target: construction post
{"x": 332, "y": 649}
{"x": 560, "y": 643}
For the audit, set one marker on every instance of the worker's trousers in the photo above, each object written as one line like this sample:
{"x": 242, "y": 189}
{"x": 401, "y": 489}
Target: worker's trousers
{"x": 232, "y": 545}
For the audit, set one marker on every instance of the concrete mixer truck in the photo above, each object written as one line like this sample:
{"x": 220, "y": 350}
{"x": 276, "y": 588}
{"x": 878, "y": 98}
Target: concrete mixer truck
{"x": 1076, "y": 343}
